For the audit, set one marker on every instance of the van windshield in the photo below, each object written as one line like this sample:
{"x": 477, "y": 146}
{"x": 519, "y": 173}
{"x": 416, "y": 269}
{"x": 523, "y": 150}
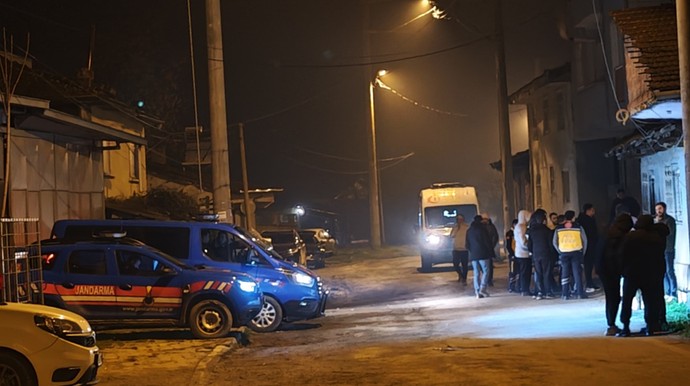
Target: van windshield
{"x": 444, "y": 216}
{"x": 259, "y": 240}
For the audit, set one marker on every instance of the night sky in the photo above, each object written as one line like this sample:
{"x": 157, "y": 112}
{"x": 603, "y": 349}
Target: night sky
{"x": 297, "y": 74}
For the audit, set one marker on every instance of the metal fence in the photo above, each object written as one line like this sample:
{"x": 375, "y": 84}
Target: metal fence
{"x": 21, "y": 274}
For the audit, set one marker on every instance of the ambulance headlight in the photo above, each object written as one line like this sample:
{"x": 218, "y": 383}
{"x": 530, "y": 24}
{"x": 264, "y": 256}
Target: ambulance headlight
{"x": 433, "y": 240}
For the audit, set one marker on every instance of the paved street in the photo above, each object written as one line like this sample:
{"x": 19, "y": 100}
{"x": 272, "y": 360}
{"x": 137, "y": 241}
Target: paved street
{"x": 389, "y": 324}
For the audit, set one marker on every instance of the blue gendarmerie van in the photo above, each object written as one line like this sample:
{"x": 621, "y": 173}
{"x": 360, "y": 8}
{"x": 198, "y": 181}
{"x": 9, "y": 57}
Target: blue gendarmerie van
{"x": 291, "y": 292}
{"x": 114, "y": 281}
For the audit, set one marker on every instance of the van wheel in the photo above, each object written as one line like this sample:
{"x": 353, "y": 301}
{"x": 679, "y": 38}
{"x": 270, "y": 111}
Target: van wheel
{"x": 426, "y": 264}
{"x": 269, "y": 318}
{"x": 210, "y": 319}
{"x": 15, "y": 370}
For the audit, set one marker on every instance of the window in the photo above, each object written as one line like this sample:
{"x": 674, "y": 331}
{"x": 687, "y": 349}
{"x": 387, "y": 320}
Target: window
{"x": 674, "y": 193}
{"x": 586, "y": 62}
{"x": 87, "y": 262}
{"x": 552, "y": 180}
{"x": 537, "y": 188}
{"x": 136, "y": 264}
{"x": 223, "y": 246}
{"x": 107, "y": 158}
{"x": 561, "y": 112}
{"x": 172, "y": 240}
{"x": 134, "y": 162}
{"x": 547, "y": 115}
{"x": 565, "y": 177}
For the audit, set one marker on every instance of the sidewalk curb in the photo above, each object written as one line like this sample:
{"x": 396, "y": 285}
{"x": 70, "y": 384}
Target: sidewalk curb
{"x": 199, "y": 376}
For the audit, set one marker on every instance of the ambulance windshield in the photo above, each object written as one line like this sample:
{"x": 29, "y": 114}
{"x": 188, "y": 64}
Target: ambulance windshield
{"x": 444, "y": 216}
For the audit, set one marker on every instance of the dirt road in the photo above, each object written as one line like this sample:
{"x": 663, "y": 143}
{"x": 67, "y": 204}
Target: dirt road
{"x": 389, "y": 324}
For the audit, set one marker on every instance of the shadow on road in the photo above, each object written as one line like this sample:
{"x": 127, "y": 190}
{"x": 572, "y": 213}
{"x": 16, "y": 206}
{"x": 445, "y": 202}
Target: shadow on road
{"x": 299, "y": 326}
{"x": 159, "y": 334}
{"x": 445, "y": 268}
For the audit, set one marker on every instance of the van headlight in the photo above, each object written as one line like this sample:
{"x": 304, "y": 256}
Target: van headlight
{"x": 303, "y": 279}
{"x": 247, "y": 286}
{"x": 297, "y": 277}
{"x": 433, "y": 240}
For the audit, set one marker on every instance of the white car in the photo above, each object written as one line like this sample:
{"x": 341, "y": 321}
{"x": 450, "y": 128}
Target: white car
{"x": 42, "y": 345}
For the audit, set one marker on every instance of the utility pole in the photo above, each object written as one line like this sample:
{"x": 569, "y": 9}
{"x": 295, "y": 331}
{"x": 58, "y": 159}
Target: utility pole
{"x": 683, "y": 23}
{"x": 503, "y": 120}
{"x": 374, "y": 197}
{"x": 219, "y": 127}
{"x": 248, "y": 204}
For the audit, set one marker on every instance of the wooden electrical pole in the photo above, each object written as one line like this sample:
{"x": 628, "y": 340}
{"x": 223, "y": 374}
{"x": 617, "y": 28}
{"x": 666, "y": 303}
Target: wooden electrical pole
{"x": 503, "y": 120}
{"x": 248, "y": 204}
{"x": 374, "y": 195}
{"x": 220, "y": 162}
{"x": 683, "y": 23}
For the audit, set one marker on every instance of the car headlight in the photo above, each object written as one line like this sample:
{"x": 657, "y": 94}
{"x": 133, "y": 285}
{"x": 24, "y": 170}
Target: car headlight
{"x": 303, "y": 279}
{"x": 56, "y": 326}
{"x": 247, "y": 286}
{"x": 433, "y": 240}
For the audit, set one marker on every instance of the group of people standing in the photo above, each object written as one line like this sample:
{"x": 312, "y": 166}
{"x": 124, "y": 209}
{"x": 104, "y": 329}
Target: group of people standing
{"x": 475, "y": 243}
{"x": 558, "y": 254}
{"x": 641, "y": 251}
{"x": 537, "y": 244}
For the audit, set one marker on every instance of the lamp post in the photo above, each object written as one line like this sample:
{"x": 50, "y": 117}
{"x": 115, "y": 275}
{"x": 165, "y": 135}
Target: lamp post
{"x": 374, "y": 182}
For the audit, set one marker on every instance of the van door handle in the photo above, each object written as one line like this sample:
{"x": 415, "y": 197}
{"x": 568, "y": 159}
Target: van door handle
{"x": 68, "y": 285}
{"x": 126, "y": 287}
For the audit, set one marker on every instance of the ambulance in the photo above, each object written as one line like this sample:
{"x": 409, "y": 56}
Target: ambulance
{"x": 439, "y": 206}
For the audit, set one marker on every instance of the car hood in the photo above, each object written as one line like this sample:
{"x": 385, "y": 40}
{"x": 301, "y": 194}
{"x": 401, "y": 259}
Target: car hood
{"x": 34, "y": 309}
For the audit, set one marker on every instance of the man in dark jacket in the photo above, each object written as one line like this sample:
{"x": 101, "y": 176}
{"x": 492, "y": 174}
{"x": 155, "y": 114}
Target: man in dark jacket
{"x": 540, "y": 245}
{"x": 670, "y": 283}
{"x": 478, "y": 242}
{"x": 510, "y": 249}
{"x": 609, "y": 268}
{"x": 643, "y": 269}
{"x": 589, "y": 225}
{"x": 493, "y": 236}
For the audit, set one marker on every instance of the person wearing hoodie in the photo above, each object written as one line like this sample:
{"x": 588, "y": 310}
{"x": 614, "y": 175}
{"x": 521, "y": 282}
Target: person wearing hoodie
{"x": 522, "y": 257}
{"x": 478, "y": 242}
{"x": 539, "y": 243}
{"x": 570, "y": 241}
{"x": 643, "y": 269}
{"x": 609, "y": 268}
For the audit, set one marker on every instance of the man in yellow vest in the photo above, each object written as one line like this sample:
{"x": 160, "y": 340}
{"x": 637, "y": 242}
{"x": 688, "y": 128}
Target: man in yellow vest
{"x": 570, "y": 241}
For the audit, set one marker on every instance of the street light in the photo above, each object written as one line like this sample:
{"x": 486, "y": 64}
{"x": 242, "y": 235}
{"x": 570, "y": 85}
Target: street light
{"x": 374, "y": 181}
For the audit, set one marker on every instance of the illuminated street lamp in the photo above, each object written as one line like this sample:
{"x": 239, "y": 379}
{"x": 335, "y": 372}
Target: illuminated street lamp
{"x": 374, "y": 181}
{"x": 299, "y": 212}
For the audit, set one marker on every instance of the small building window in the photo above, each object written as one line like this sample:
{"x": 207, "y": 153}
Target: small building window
{"x": 565, "y": 176}
{"x": 537, "y": 188}
{"x": 134, "y": 166}
{"x": 561, "y": 112}
{"x": 547, "y": 116}
{"x": 552, "y": 180}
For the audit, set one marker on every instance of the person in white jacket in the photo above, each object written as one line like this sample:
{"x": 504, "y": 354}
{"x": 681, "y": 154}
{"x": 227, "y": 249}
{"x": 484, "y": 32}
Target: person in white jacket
{"x": 522, "y": 257}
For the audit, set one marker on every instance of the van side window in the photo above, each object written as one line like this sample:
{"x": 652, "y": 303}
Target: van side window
{"x": 87, "y": 262}
{"x": 135, "y": 264}
{"x": 223, "y": 246}
{"x": 171, "y": 240}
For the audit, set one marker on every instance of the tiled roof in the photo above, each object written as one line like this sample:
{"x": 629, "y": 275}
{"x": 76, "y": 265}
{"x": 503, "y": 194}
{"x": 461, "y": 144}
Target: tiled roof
{"x": 652, "y": 44}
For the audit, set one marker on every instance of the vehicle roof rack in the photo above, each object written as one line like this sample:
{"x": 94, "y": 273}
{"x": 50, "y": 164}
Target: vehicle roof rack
{"x": 110, "y": 235}
{"x": 448, "y": 185}
{"x": 207, "y": 217}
